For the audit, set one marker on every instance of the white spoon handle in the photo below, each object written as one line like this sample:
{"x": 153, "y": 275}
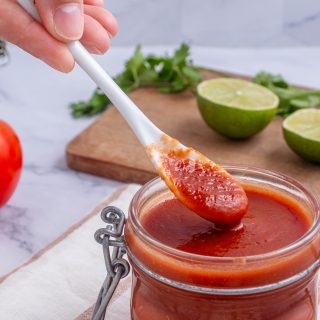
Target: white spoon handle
{"x": 143, "y": 128}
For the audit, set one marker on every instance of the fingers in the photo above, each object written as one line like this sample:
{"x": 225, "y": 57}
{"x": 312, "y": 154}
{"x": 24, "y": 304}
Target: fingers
{"x": 63, "y": 19}
{"x": 95, "y": 37}
{"x": 32, "y": 37}
{"x": 99, "y": 3}
{"x": 104, "y": 17}
{"x": 69, "y": 20}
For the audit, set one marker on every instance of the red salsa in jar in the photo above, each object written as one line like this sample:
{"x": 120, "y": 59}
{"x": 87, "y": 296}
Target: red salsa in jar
{"x": 185, "y": 268}
{"x": 271, "y": 223}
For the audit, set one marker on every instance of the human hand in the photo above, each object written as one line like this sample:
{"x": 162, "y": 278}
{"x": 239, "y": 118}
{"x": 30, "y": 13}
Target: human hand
{"x": 63, "y": 22}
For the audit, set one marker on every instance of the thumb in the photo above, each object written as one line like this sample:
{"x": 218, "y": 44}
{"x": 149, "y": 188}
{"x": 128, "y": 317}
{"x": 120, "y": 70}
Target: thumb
{"x": 63, "y": 19}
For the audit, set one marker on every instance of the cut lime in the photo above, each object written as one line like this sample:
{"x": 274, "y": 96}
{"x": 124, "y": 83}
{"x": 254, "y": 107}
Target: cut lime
{"x": 236, "y": 108}
{"x": 301, "y": 130}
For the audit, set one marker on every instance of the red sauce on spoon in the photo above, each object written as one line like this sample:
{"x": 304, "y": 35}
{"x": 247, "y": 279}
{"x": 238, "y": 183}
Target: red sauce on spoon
{"x": 205, "y": 187}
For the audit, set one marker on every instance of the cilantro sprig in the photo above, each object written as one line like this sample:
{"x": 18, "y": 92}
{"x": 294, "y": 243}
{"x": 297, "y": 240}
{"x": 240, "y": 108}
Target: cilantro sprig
{"x": 167, "y": 74}
{"x": 291, "y": 98}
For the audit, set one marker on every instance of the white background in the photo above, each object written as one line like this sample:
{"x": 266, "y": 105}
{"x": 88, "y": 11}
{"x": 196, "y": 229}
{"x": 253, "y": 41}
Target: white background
{"x": 218, "y": 22}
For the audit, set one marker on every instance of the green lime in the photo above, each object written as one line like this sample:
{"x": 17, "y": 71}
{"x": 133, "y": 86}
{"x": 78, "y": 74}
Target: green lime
{"x": 301, "y": 130}
{"x": 236, "y": 108}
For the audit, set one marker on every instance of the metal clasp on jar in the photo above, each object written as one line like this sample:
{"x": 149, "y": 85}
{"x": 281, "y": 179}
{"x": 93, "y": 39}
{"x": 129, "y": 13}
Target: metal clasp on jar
{"x": 117, "y": 267}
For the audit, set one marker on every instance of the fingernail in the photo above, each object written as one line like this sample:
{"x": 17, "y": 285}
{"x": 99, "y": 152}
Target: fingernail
{"x": 68, "y": 21}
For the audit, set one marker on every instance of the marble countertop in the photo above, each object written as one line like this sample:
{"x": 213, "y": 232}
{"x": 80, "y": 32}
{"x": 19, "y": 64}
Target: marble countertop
{"x": 34, "y": 99}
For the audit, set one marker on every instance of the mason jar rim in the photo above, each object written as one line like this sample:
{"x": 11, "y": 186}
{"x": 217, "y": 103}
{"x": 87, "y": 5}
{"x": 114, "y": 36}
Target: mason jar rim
{"x": 304, "y": 240}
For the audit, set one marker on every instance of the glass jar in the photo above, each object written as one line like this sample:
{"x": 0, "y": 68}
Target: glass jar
{"x": 176, "y": 285}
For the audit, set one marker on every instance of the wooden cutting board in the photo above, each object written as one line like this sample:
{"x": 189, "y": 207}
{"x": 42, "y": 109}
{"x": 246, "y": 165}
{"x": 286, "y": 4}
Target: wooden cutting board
{"x": 109, "y": 149}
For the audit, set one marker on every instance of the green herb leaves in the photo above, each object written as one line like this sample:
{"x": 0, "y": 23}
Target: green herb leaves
{"x": 167, "y": 74}
{"x": 291, "y": 98}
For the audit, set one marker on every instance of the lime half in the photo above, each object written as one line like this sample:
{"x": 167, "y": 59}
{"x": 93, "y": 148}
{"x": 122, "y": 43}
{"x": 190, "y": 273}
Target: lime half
{"x": 236, "y": 108}
{"x": 301, "y": 130}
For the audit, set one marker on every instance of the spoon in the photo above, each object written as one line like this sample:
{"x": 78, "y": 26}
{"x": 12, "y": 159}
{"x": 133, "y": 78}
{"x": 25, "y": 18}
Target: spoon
{"x": 196, "y": 181}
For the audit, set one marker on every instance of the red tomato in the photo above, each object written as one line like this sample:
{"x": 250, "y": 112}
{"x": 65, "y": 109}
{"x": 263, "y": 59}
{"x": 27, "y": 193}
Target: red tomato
{"x": 10, "y": 162}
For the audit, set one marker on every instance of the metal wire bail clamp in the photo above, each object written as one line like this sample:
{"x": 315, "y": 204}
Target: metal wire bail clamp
{"x": 117, "y": 267}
